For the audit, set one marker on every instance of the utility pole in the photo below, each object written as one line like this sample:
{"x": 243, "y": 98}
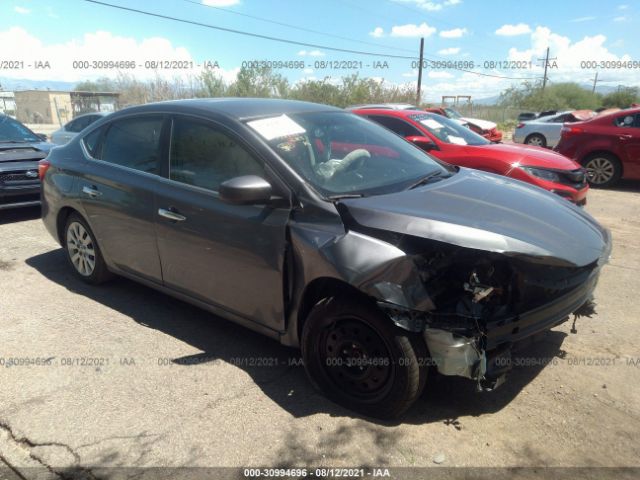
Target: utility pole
{"x": 595, "y": 82}
{"x": 418, "y": 93}
{"x": 546, "y": 65}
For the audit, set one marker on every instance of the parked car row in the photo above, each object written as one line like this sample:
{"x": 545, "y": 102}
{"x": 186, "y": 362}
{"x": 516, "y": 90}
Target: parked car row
{"x": 326, "y": 231}
{"x": 448, "y": 141}
{"x": 607, "y": 145}
{"x": 487, "y": 129}
{"x": 544, "y": 131}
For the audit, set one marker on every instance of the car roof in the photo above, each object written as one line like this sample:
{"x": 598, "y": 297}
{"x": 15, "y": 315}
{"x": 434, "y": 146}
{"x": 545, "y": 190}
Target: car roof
{"x": 235, "y": 108}
{"x": 383, "y": 106}
{"x": 101, "y": 114}
{"x": 393, "y": 113}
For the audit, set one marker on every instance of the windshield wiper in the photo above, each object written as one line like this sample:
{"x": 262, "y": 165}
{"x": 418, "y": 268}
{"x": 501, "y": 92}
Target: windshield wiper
{"x": 13, "y": 141}
{"x": 424, "y": 180}
{"x": 342, "y": 196}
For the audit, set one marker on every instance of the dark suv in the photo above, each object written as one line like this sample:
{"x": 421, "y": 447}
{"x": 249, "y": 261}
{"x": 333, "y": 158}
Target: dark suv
{"x": 327, "y": 232}
{"x": 20, "y": 151}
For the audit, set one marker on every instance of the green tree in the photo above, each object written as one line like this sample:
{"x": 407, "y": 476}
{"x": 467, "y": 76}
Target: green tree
{"x": 622, "y": 98}
{"x": 558, "y": 96}
{"x": 259, "y": 82}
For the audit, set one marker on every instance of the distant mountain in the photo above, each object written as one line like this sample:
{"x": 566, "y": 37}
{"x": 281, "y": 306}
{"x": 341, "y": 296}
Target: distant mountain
{"x": 487, "y": 100}
{"x": 11, "y": 84}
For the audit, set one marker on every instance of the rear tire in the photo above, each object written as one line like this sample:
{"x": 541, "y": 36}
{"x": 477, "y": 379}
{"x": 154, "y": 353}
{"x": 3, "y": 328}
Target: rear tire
{"x": 83, "y": 252}
{"x": 603, "y": 169}
{"x": 536, "y": 140}
{"x": 357, "y": 357}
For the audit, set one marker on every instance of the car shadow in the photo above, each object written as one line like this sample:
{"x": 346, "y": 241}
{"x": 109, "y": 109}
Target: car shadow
{"x": 14, "y": 215}
{"x": 276, "y": 369}
{"x": 626, "y": 186}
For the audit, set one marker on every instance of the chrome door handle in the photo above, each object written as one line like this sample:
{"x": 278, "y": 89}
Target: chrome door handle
{"x": 625, "y": 137}
{"x": 92, "y": 192}
{"x": 163, "y": 212}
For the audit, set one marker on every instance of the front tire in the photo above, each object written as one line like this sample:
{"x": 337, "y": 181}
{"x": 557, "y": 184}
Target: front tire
{"x": 83, "y": 252}
{"x": 603, "y": 169}
{"x": 358, "y": 358}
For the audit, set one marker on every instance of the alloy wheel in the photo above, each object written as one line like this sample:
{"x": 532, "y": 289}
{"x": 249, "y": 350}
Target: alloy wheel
{"x": 600, "y": 170}
{"x": 536, "y": 141}
{"x": 80, "y": 248}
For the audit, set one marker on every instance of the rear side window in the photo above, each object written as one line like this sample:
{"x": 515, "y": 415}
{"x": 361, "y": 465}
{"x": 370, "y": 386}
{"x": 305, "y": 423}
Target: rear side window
{"x": 132, "y": 143}
{"x": 204, "y": 156}
{"x": 91, "y": 142}
{"x": 78, "y": 124}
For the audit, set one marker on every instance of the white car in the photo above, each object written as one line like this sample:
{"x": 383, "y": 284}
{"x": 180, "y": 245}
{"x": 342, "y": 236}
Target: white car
{"x": 75, "y": 126}
{"x": 487, "y": 129}
{"x": 545, "y": 131}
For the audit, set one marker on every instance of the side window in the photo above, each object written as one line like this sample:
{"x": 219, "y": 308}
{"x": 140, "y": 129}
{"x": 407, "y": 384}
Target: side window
{"x": 628, "y": 121}
{"x": 559, "y": 118}
{"x": 78, "y": 124}
{"x": 204, "y": 156}
{"x": 91, "y": 142}
{"x": 133, "y": 143}
{"x": 398, "y": 126}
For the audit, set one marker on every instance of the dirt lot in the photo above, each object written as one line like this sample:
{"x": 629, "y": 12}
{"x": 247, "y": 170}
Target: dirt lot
{"x": 129, "y": 377}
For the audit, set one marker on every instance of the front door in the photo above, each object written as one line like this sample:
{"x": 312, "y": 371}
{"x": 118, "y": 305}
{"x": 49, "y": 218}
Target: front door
{"x": 231, "y": 256}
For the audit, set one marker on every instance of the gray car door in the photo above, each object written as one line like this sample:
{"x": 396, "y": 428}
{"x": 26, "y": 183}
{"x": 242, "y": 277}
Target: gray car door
{"x": 117, "y": 187}
{"x": 230, "y": 256}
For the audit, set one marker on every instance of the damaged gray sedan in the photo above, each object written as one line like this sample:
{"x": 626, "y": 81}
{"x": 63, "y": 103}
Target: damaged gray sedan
{"x": 326, "y": 232}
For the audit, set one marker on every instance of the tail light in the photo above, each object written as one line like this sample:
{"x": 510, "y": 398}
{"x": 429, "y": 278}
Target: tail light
{"x": 43, "y": 166}
{"x": 520, "y": 125}
{"x": 568, "y": 131}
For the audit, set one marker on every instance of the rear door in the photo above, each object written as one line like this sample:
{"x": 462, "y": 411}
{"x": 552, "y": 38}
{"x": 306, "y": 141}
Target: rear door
{"x": 552, "y": 127}
{"x": 117, "y": 190}
{"x": 628, "y": 133}
{"x": 230, "y": 256}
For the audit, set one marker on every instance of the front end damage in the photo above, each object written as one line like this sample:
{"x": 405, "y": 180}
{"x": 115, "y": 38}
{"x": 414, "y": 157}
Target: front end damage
{"x": 476, "y": 306}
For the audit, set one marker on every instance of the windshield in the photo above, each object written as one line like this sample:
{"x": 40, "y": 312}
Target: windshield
{"x": 13, "y": 131}
{"x": 451, "y": 113}
{"x": 449, "y": 131}
{"x": 339, "y": 153}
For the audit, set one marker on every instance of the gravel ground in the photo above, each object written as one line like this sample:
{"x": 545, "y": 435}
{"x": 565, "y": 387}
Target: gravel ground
{"x": 123, "y": 376}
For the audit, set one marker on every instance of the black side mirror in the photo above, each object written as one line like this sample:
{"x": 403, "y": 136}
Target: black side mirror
{"x": 42, "y": 136}
{"x": 425, "y": 143}
{"x": 245, "y": 190}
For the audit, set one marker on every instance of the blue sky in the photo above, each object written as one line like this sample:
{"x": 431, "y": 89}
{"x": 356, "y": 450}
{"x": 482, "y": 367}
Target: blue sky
{"x": 460, "y": 30}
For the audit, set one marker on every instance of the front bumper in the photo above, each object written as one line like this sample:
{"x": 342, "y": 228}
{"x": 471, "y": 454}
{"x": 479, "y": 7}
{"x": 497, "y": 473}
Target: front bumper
{"x": 486, "y": 358}
{"x": 19, "y": 196}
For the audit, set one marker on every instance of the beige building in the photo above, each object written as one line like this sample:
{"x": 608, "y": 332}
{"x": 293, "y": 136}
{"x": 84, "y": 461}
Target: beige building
{"x": 59, "y": 107}
{"x": 43, "y": 106}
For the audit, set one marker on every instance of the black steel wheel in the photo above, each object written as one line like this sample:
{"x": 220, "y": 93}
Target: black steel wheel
{"x": 356, "y": 356}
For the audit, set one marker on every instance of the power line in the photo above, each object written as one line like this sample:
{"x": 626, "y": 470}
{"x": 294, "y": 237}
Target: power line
{"x": 291, "y": 42}
{"x": 295, "y": 27}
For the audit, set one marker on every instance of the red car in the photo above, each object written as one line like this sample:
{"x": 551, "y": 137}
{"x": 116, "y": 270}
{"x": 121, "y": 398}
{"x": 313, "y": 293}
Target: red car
{"x": 449, "y": 141}
{"x": 487, "y": 129}
{"x": 608, "y": 146}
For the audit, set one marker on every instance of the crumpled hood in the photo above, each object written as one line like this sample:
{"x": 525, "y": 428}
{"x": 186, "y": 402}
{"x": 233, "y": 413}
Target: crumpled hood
{"x": 483, "y": 124}
{"x": 482, "y": 211}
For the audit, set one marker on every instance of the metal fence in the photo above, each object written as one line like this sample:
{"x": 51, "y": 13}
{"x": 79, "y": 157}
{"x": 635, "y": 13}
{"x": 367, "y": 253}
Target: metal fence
{"x": 489, "y": 112}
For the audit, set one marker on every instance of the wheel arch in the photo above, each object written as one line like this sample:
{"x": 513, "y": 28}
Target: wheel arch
{"x": 319, "y": 289}
{"x": 61, "y": 221}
